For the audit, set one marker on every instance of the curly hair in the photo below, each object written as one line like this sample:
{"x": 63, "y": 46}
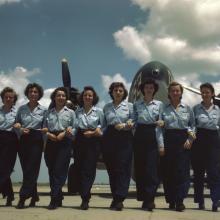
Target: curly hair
{"x": 95, "y": 96}
{"x": 54, "y": 93}
{"x": 34, "y": 85}
{"x": 9, "y": 89}
{"x": 175, "y": 84}
{"x": 115, "y": 85}
{"x": 147, "y": 82}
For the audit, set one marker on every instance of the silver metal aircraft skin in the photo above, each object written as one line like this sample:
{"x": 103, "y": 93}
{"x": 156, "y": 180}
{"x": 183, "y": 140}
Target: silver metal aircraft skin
{"x": 163, "y": 75}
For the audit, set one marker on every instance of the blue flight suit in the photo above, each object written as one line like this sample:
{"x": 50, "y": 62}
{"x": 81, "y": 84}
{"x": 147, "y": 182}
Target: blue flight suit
{"x": 146, "y": 156}
{"x": 8, "y": 150}
{"x": 58, "y": 153}
{"x": 206, "y": 152}
{"x": 88, "y": 149}
{"x": 31, "y": 148}
{"x": 117, "y": 148}
{"x": 179, "y": 124}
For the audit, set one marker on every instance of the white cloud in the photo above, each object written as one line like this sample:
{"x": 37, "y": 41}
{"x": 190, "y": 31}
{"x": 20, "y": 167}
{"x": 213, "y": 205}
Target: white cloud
{"x": 107, "y": 80}
{"x": 138, "y": 48}
{"x": 18, "y": 80}
{"x": 182, "y": 34}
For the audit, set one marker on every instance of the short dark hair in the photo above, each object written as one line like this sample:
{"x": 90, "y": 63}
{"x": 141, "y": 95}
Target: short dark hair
{"x": 34, "y": 85}
{"x": 9, "y": 89}
{"x": 115, "y": 85}
{"x": 53, "y": 94}
{"x": 208, "y": 86}
{"x": 147, "y": 82}
{"x": 175, "y": 84}
{"x": 95, "y": 96}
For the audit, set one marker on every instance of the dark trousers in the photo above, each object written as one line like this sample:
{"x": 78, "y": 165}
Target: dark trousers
{"x": 146, "y": 162}
{"x": 30, "y": 153}
{"x": 57, "y": 157}
{"x": 87, "y": 155}
{"x": 8, "y": 153}
{"x": 206, "y": 159}
{"x": 176, "y": 166}
{"x": 117, "y": 155}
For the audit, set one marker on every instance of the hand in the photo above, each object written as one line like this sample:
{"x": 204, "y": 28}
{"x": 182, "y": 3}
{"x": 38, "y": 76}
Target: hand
{"x": 44, "y": 130}
{"x": 98, "y": 132}
{"x": 88, "y": 134}
{"x": 119, "y": 126}
{"x": 192, "y": 134}
{"x": 160, "y": 123}
{"x": 17, "y": 125}
{"x": 129, "y": 124}
{"x": 69, "y": 131}
{"x": 187, "y": 144}
{"x": 161, "y": 151}
{"x": 51, "y": 136}
{"x": 25, "y": 131}
{"x": 61, "y": 135}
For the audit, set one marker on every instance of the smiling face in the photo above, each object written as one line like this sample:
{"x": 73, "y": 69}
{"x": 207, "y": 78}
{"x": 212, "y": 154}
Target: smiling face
{"x": 60, "y": 98}
{"x": 33, "y": 95}
{"x": 206, "y": 94}
{"x": 118, "y": 93}
{"x": 88, "y": 97}
{"x": 175, "y": 93}
{"x": 149, "y": 90}
{"x": 9, "y": 99}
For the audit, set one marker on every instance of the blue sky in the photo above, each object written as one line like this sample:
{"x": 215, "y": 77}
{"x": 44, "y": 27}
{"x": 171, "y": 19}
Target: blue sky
{"x": 36, "y": 35}
{"x": 107, "y": 40}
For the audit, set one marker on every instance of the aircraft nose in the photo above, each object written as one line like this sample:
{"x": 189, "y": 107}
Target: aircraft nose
{"x": 155, "y": 72}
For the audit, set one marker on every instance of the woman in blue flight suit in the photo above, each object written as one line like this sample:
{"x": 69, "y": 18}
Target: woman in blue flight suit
{"x": 29, "y": 121}
{"x": 178, "y": 136}
{"x": 61, "y": 123}
{"x": 206, "y": 148}
{"x": 117, "y": 143}
{"x": 146, "y": 148}
{"x": 90, "y": 122}
{"x": 8, "y": 142}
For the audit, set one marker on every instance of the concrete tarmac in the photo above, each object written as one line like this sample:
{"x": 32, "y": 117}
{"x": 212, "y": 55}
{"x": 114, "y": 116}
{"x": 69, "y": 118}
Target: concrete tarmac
{"x": 99, "y": 208}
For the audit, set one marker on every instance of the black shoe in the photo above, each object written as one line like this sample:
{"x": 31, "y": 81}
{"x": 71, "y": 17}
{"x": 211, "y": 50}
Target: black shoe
{"x": 20, "y": 204}
{"x": 119, "y": 206}
{"x": 113, "y": 203}
{"x": 84, "y": 205}
{"x": 9, "y": 201}
{"x": 172, "y": 205}
{"x": 214, "y": 207}
{"x": 180, "y": 207}
{"x": 53, "y": 205}
{"x": 201, "y": 206}
{"x": 148, "y": 206}
{"x": 60, "y": 203}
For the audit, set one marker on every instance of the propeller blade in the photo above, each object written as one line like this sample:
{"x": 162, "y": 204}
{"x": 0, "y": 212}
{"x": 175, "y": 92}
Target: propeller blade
{"x": 66, "y": 74}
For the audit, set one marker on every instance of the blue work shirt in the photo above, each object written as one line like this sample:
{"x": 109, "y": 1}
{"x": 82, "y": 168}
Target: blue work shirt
{"x": 120, "y": 114}
{"x": 59, "y": 121}
{"x": 148, "y": 113}
{"x": 180, "y": 118}
{"x": 7, "y": 119}
{"x": 90, "y": 120}
{"x": 208, "y": 119}
{"x": 31, "y": 119}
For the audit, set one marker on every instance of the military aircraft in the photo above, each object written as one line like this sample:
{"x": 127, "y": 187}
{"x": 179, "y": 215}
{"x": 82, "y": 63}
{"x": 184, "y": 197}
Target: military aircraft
{"x": 156, "y": 70}
{"x": 163, "y": 76}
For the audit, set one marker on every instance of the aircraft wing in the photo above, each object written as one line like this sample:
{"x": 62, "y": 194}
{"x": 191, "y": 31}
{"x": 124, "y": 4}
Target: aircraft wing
{"x": 197, "y": 91}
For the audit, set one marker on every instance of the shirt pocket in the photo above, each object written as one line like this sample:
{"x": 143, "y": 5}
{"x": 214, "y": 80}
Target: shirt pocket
{"x": 66, "y": 121}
